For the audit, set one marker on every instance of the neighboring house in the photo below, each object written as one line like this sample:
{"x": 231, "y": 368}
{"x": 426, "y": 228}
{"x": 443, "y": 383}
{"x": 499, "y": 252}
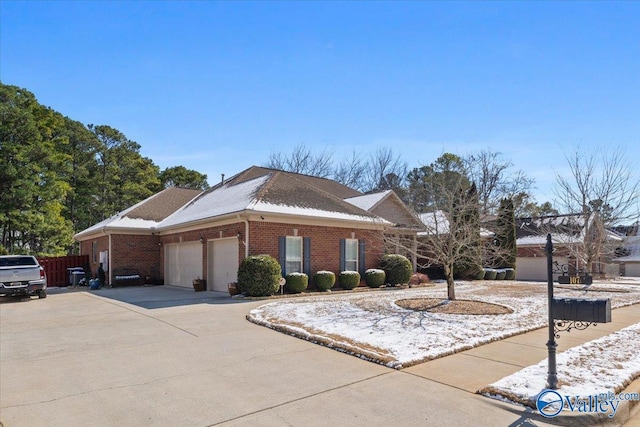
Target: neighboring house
{"x": 401, "y": 238}
{"x": 307, "y": 223}
{"x": 434, "y": 224}
{"x": 568, "y": 237}
{"x": 628, "y": 257}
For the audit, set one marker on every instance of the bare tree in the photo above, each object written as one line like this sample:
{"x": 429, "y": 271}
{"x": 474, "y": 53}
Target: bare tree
{"x": 601, "y": 188}
{"x": 303, "y": 161}
{"x": 351, "y": 172}
{"x": 494, "y": 180}
{"x": 385, "y": 171}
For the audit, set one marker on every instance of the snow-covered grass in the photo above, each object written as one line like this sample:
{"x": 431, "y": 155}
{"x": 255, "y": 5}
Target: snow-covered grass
{"x": 372, "y": 326}
{"x": 604, "y": 365}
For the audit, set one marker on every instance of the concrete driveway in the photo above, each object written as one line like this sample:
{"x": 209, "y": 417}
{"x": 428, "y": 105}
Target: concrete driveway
{"x": 173, "y": 357}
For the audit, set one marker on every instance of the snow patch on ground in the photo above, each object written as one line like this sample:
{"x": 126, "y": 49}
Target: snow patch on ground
{"x": 373, "y": 327}
{"x": 607, "y": 364}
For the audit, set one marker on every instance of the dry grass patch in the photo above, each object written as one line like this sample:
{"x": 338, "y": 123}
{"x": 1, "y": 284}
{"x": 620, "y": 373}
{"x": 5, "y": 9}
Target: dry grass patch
{"x": 467, "y": 307}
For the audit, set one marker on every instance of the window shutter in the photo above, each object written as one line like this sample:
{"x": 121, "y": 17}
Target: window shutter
{"x": 343, "y": 249}
{"x": 361, "y": 257}
{"x": 306, "y": 256}
{"x": 282, "y": 254}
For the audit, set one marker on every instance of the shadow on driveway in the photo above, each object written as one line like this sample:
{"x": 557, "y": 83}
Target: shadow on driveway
{"x": 151, "y": 297}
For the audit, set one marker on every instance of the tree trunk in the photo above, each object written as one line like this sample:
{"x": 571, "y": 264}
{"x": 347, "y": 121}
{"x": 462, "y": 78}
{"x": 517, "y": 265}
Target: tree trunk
{"x": 451, "y": 290}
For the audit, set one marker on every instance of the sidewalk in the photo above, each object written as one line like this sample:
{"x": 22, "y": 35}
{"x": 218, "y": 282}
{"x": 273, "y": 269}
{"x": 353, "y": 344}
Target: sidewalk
{"x": 474, "y": 369}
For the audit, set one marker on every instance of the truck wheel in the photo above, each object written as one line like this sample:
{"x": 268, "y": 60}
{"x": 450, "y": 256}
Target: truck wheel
{"x": 42, "y": 294}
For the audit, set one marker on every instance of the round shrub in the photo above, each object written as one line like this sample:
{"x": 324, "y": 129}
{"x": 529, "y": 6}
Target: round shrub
{"x": 397, "y": 268}
{"x": 501, "y": 273}
{"x": 479, "y": 274}
{"x": 296, "y": 283}
{"x": 510, "y": 274}
{"x": 259, "y": 276}
{"x": 374, "y": 278}
{"x": 349, "y": 279}
{"x": 490, "y": 274}
{"x": 324, "y": 280}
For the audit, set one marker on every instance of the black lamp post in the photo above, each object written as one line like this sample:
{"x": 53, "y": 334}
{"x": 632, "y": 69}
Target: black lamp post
{"x": 552, "y": 375}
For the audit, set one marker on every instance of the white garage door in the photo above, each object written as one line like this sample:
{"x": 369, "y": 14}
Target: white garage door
{"x": 222, "y": 263}
{"x": 183, "y": 263}
{"x": 534, "y": 268}
{"x": 632, "y": 270}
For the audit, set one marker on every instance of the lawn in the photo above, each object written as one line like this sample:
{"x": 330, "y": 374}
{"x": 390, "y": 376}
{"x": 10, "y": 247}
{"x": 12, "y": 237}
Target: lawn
{"x": 373, "y": 326}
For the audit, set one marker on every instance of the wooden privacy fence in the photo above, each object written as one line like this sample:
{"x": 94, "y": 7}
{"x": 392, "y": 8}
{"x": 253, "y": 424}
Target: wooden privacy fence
{"x": 56, "y": 268}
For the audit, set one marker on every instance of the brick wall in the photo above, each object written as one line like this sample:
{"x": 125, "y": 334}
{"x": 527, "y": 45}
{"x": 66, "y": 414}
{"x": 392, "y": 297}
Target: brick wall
{"x": 87, "y": 248}
{"x": 144, "y": 254}
{"x": 325, "y": 243}
{"x": 136, "y": 254}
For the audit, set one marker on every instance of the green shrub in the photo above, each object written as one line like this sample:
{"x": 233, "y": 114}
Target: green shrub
{"x": 490, "y": 274}
{"x": 349, "y": 279}
{"x": 374, "y": 278}
{"x": 510, "y": 274}
{"x": 324, "y": 280}
{"x": 397, "y": 268}
{"x": 480, "y": 274}
{"x": 259, "y": 276}
{"x": 296, "y": 283}
{"x": 501, "y": 273}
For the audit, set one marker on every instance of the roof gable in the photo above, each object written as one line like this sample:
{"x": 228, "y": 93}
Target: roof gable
{"x": 387, "y": 205}
{"x": 163, "y": 204}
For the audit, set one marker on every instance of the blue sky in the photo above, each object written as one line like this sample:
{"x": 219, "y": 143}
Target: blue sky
{"x": 217, "y": 86}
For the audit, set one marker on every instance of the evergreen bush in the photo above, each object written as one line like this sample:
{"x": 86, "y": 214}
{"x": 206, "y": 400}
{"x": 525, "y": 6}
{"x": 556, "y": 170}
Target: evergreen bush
{"x": 501, "y": 273}
{"x": 259, "y": 276}
{"x": 324, "y": 280}
{"x": 397, "y": 268}
{"x": 374, "y": 278}
{"x": 349, "y": 279}
{"x": 510, "y": 274}
{"x": 490, "y": 274}
{"x": 296, "y": 283}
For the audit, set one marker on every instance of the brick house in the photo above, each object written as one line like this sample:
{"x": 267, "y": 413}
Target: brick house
{"x": 568, "y": 236}
{"x": 307, "y": 223}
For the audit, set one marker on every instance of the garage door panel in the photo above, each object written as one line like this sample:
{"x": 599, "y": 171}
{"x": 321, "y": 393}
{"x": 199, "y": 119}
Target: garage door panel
{"x": 534, "y": 268}
{"x": 222, "y": 263}
{"x": 183, "y": 263}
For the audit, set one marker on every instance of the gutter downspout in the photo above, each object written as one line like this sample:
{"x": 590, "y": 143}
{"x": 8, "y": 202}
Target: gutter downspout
{"x": 110, "y": 258}
{"x": 246, "y": 235}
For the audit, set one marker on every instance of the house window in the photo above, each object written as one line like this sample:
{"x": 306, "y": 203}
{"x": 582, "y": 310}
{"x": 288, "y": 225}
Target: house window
{"x": 351, "y": 254}
{"x": 294, "y": 255}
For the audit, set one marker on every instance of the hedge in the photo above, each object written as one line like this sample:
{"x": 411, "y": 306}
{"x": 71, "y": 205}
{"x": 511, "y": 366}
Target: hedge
{"x": 259, "y": 275}
{"x": 374, "y": 278}
{"x": 397, "y": 268}
{"x": 296, "y": 283}
{"x": 324, "y": 280}
{"x": 349, "y": 279}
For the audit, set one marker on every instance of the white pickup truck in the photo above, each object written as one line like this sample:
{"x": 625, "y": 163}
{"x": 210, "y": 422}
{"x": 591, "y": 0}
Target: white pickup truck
{"x": 22, "y": 275}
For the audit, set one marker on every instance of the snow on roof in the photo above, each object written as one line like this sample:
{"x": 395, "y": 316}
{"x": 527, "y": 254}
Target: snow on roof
{"x": 222, "y": 200}
{"x": 632, "y": 244}
{"x": 435, "y": 222}
{"x": 310, "y": 212}
{"x": 120, "y": 220}
{"x": 367, "y": 201}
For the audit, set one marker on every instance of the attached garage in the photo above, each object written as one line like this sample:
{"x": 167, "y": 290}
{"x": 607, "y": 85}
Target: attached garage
{"x": 183, "y": 263}
{"x": 534, "y": 268}
{"x": 222, "y": 263}
{"x": 632, "y": 269}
